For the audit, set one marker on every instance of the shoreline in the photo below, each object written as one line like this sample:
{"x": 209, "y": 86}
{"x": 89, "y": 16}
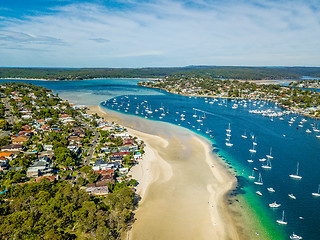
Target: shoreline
{"x": 223, "y": 97}
{"x": 222, "y": 224}
{"x": 56, "y": 80}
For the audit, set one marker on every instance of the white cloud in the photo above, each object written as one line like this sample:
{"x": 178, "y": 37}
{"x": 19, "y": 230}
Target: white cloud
{"x": 166, "y": 33}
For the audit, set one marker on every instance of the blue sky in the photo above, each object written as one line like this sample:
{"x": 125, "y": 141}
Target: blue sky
{"x": 162, "y": 33}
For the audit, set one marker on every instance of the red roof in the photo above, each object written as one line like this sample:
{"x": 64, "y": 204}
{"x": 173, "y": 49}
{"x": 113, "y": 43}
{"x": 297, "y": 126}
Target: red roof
{"x": 105, "y": 172}
{"x": 50, "y": 178}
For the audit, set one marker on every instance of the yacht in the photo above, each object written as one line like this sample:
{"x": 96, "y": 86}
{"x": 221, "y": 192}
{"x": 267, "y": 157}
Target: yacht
{"x": 292, "y": 196}
{"x": 270, "y": 189}
{"x": 317, "y": 194}
{"x": 294, "y": 236}
{"x": 308, "y": 131}
{"x": 259, "y": 182}
{"x": 259, "y": 193}
{"x": 296, "y": 176}
{"x": 274, "y": 205}
{"x": 282, "y": 220}
{"x": 250, "y": 160}
{"x": 262, "y": 160}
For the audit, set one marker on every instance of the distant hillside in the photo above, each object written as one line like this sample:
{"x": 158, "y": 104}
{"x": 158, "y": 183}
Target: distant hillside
{"x": 249, "y": 73}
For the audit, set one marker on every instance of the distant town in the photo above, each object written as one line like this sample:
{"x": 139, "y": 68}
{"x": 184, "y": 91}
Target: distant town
{"x": 50, "y": 146}
{"x": 315, "y": 83}
{"x": 299, "y": 100}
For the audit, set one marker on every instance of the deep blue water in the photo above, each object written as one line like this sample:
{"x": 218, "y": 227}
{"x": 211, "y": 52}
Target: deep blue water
{"x": 290, "y": 144}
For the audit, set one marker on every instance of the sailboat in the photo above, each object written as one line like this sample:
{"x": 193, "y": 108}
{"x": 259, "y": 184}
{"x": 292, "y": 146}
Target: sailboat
{"x": 252, "y": 150}
{"x": 317, "y": 194}
{"x": 270, "y": 156}
{"x": 199, "y": 120}
{"x": 204, "y": 116}
{"x": 282, "y": 220}
{"x": 296, "y": 176}
{"x": 259, "y": 182}
{"x": 228, "y": 143}
{"x": 252, "y": 175}
{"x": 229, "y": 129}
{"x": 268, "y": 165}
{"x": 195, "y": 114}
{"x": 244, "y": 135}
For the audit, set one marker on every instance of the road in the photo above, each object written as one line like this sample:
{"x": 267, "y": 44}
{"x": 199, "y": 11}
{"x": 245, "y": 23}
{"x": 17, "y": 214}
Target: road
{"x": 10, "y": 118}
{"x": 93, "y": 143}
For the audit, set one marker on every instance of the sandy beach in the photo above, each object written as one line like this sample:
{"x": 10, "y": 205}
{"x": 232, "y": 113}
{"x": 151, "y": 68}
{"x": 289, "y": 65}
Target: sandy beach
{"x": 183, "y": 186}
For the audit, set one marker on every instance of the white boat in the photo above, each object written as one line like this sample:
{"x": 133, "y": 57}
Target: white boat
{"x": 199, "y": 120}
{"x": 250, "y": 160}
{"x": 262, "y": 160}
{"x": 308, "y": 131}
{"x": 292, "y": 196}
{"x": 229, "y": 129}
{"x": 317, "y": 194}
{"x": 259, "y": 193}
{"x": 182, "y": 119}
{"x": 259, "y": 182}
{"x": 270, "y": 155}
{"x": 282, "y": 220}
{"x": 204, "y": 116}
{"x": 252, "y": 175}
{"x": 268, "y": 165}
{"x": 296, "y": 176}
{"x": 182, "y": 115}
{"x": 244, "y": 135}
{"x": 252, "y": 150}
{"x": 228, "y": 144}
{"x": 270, "y": 189}
{"x": 274, "y": 205}
{"x": 294, "y": 236}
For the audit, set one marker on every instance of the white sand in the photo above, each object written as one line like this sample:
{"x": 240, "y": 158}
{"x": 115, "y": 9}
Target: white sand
{"x": 182, "y": 185}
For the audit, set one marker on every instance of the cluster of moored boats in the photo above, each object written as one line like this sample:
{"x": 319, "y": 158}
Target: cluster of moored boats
{"x": 144, "y": 109}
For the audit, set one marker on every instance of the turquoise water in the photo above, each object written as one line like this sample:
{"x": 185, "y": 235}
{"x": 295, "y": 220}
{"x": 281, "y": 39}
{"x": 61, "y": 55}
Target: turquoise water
{"x": 289, "y": 144}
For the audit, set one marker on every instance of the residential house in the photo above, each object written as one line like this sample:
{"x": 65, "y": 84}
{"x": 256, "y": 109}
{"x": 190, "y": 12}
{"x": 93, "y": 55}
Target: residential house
{"x": 20, "y": 139}
{"x": 12, "y": 148}
{"x": 40, "y": 167}
{"x": 48, "y": 147}
{"x": 98, "y": 191}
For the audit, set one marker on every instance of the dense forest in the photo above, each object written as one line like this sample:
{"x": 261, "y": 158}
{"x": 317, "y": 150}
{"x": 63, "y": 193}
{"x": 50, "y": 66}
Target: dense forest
{"x": 60, "y": 211}
{"x": 248, "y": 73}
